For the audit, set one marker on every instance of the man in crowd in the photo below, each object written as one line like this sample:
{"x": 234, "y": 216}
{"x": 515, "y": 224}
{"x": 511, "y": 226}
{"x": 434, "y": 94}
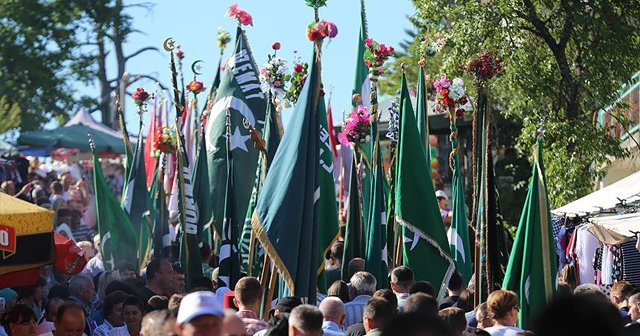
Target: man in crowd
{"x": 248, "y": 296}
{"x": 363, "y": 285}
{"x": 82, "y": 290}
{"x": 160, "y": 280}
{"x": 355, "y": 265}
{"x": 95, "y": 265}
{"x": 456, "y": 286}
{"x": 401, "y": 282}
{"x": 333, "y": 315}
{"x": 377, "y": 315}
{"x": 70, "y": 320}
{"x": 199, "y": 314}
{"x": 79, "y": 230}
{"x": 620, "y": 297}
{"x": 305, "y": 320}
{"x": 445, "y": 212}
{"x": 153, "y": 323}
{"x": 332, "y": 273}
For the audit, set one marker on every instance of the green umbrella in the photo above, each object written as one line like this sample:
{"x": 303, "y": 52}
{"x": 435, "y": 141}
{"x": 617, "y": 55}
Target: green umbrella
{"x": 74, "y": 136}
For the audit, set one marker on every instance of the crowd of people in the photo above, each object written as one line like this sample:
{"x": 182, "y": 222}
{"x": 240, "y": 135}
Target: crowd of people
{"x": 125, "y": 303}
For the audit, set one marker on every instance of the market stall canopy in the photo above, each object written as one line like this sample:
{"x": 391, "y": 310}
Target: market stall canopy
{"x": 627, "y": 189}
{"x": 615, "y": 230}
{"x": 74, "y": 135}
{"x": 26, "y": 235}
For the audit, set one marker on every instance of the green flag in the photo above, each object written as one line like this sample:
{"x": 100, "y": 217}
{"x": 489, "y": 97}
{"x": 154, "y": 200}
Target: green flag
{"x": 458, "y": 233}
{"x": 272, "y": 139}
{"x": 161, "y": 239}
{"x": 229, "y": 258}
{"x": 286, "y": 217}
{"x": 354, "y": 243}
{"x": 117, "y": 237}
{"x": 425, "y": 245}
{"x": 202, "y": 196}
{"x": 376, "y": 257}
{"x": 422, "y": 115}
{"x": 128, "y": 149}
{"x": 239, "y": 92}
{"x": 328, "y": 228}
{"x": 533, "y": 266}
{"x": 362, "y": 86}
{"x": 134, "y": 202}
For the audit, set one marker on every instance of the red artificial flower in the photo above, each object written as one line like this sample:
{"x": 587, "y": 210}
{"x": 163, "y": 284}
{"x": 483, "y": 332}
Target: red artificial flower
{"x": 368, "y": 64}
{"x": 196, "y": 86}
{"x": 180, "y": 54}
{"x": 140, "y": 96}
{"x": 298, "y": 67}
{"x": 460, "y": 113}
{"x": 368, "y": 42}
{"x": 275, "y": 46}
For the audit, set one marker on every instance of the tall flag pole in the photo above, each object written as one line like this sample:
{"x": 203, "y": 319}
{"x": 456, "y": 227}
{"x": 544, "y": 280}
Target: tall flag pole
{"x": 533, "y": 265}
{"x": 150, "y": 161}
{"x": 117, "y": 236}
{"x": 239, "y": 94}
{"x": 328, "y": 227}
{"x": 135, "y": 197}
{"x": 422, "y": 113}
{"x": 458, "y": 233}
{"x": 160, "y": 230}
{"x": 187, "y": 210}
{"x": 490, "y": 251}
{"x": 286, "y": 217}
{"x": 128, "y": 148}
{"x": 425, "y": 247}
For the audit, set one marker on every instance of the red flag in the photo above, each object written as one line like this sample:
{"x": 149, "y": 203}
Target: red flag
{"x": 150, "y": 161}
{"x": 332, "y": 132}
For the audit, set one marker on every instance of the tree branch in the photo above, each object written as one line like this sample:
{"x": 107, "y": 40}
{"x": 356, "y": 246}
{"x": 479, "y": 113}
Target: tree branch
{"x": 135, "y": 78}
{"x": 140, "y": 51}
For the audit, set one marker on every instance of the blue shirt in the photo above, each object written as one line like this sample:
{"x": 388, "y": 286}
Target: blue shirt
{"x": 354, "y": 309}
{"x": 330, "y": 328}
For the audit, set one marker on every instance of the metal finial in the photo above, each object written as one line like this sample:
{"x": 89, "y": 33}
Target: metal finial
{"x": 543, "y": 122}
{"x": 169, "y": 44}
{"x": 404, "y": 66}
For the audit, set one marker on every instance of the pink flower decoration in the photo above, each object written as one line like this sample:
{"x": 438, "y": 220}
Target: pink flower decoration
{"x": 241, "y": 15}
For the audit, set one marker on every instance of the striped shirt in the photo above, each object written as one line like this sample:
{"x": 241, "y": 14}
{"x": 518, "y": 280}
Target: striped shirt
{"x": 251, "y": 322}
{"x": 82, "y": 232}
{"x": 354, "y": 310}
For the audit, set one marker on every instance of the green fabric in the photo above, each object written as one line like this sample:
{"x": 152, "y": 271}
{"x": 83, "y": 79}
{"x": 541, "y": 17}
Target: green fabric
{"x": 421, "y": 116}
{"x": 286, "y": 215}
{"x": 425, "y": 246}
{"x": 190, "y": 259}
{"x": 202, "y": 195}
{"x": 376, "y": 261}
{"x": 533, "y": 265}
{"x": 74, "y": 136}
{"x": 353, "y": 238}
{"x": 239, "y": 92}
{"x": 135, "y": 199}
{"x": 117, "y": 237}
{"x": 160, "y": 229}
{"x": 328, "y": 227}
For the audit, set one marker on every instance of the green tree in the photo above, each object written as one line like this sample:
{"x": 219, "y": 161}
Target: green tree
{"x": 36, "y": 43}
{"x": 565, "y": 61}
{"x": 9, "y": 114}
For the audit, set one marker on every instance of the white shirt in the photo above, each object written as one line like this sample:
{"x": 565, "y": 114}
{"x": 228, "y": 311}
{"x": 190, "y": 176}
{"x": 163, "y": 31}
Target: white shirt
{"x": 503, "y": 331}
{"x": 103, "y": 330}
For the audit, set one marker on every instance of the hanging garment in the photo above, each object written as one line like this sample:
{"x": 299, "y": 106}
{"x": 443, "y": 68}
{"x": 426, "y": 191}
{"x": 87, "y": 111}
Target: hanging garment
{"x": 630, "y": 262}
{"x": 607, "y": 265}
{"x": 586, "y": 245}
{"x": 617, "y": 263}
{"x": 597, "y": 266}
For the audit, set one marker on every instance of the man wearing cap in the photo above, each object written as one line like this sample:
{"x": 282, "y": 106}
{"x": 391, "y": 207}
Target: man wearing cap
{"x": 445, "y": 212}
{"x": 199, "y": 314}
{"x": 285, "y": 306}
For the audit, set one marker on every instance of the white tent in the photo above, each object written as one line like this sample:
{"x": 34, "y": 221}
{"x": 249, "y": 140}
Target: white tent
{"x": 616, "y": 229}
{"x": 84, "y": 118}
{"x": 627, "y": 189}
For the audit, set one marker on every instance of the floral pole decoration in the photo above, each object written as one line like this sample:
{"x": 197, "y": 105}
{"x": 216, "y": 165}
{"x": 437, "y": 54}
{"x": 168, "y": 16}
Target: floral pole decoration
{"x": 296, "y": 82}
{"x": 318, "y": 31}
{"x": 243, "y": 17}
{"x": 451, "y": 96}
{"x": 356, "y": 129}
{"x": 273, "y": 76}
{"x": 484, "y": 67}
{"x": 394, "y": 122}
{"x": 374, "y": 57}
{"x": 140, "y": 98}
{"x": 164, "y": 141}
{"x": 223, "y": 39}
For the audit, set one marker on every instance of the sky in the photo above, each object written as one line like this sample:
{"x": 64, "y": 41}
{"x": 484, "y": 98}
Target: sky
{"x": 194, "y": 24}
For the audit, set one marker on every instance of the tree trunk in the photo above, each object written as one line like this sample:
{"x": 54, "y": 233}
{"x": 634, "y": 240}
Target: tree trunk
{"x": 105, "y": 88}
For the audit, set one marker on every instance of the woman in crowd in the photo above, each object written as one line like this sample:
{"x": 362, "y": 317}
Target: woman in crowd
{"x": 19, "y": 321}
{"x": 503, "y": 309}
{"x": 132, "y": 314}
{"x": 112, "y": 312}
{"x": 31, "y": 296}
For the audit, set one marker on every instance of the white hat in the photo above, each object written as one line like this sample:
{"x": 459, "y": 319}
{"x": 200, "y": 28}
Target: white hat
{"x": 197, "y": 304}
{"x": 441, "y": 193}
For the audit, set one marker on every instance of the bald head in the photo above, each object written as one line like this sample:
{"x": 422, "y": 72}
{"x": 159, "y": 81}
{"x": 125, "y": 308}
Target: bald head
{"x": 153, "y": 323}
{"x": 332, "y": 309}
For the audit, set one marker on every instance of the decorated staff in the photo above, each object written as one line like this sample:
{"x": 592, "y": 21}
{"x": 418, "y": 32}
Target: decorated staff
{"x": 489, "y": 260}
{"x": 188, "y": 212}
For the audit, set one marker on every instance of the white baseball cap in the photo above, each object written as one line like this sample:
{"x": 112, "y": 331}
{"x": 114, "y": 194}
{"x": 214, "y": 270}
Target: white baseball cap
{"x": 441, "y": 193}
{"x": 197, "y": 304}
